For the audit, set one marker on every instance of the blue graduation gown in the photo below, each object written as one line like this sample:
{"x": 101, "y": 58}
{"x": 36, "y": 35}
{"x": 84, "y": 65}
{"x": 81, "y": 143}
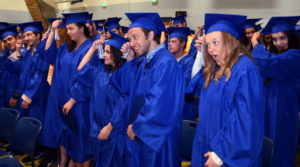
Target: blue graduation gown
{"x": 104, "y": 98}
{"x": 230, "y": 117}
{"x": 9, "y": 78}
{"x": 155, "y": 107}
{"x": 281, "y": 116}
{"x": 33, "y": 83}
{"x": 62, "y": 89}
{"x": 187, "y": 65}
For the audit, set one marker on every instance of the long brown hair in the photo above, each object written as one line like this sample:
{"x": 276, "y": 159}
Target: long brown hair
{"x": 233, "y": 49}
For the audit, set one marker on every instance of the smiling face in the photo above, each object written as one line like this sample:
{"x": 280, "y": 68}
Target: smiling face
{"x": 215, "y": 46}
{"x": 31, "y": 38}
{"x": 10, "y": 42}
{"x": 280, "y": 41}
{"x": 139, "y": 43}
{"x": 107, "y": 56}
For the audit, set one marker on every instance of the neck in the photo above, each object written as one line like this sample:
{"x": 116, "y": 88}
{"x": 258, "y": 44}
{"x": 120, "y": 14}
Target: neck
{"x": 179, "y": 54}
{"x": 34, "y": 46}
{"x": 153, "y": 45}
{"x": 80, "y": 41}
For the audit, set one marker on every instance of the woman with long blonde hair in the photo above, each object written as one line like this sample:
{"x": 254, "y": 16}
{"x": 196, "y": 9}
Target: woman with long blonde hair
{"x": 230, "y": 130}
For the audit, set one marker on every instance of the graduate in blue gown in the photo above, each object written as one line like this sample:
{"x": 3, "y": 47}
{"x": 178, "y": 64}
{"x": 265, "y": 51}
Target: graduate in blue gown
{"x": 67, "y": 97}
{"x": 112, "y": 24}
{"x": 177, "y": 43}
{"x": 108, "y": 126}
{"x": 91, "y": 25}
{"x": 33, "y": 85}
{"x": 249, "y": 29}
{"x": 10, "y": 67}
{"x": 280, "y": 69}
{"x": 231, "y": 109}
{"x": 156, "y": 100}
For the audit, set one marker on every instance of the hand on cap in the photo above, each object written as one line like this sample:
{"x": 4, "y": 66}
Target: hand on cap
{"x": 56, "y": 24}
{"x": 198, "y": 43}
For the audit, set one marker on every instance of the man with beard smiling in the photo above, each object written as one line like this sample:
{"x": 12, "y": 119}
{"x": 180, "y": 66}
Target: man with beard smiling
{"x": 33, "y": 87}
{"x": 156, "y": 100}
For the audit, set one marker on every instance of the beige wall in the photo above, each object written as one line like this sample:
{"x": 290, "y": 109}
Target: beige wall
{"x": 16, "y": 10}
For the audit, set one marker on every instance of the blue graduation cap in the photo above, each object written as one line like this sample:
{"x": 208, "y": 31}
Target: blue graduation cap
{"x": 112, "y": 23}
{"x": 179, "y": 32}
{"x": 229, "y": 23}
{"x": 124, "y": 29}
{"x": 97, "y": 22}
{"x": 280, "y": 24}
{"x": 251, "y": 23}
{"x": 258, "y": 27}
{"x": 99, "y": 28}
{"x": 4, "y": 24}
{"x": 12, "y": 30}
{"x": 90, "y": 18}
{"x": 149, "y": 21}
{"x": 297, "y": 28}
{"x": 116, "y": 40}
{"x": 80, "y": 17}
{"x": 179, "y": 19}
{"x": 35, "y": 26}
{"x": 62, "y": 25}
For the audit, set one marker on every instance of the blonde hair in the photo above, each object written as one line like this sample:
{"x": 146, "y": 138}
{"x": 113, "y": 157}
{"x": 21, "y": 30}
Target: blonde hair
{"x": 233, "y": 49}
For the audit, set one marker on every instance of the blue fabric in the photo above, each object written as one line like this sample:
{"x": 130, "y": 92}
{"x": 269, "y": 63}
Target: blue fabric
{"x": 155, "y": 124}
{"x": 193, "y": 50}
{"x": 9, "y": 78}
{"x": 35, "y": 26}
{"x": 103, "y": 101}
{"x": 281, "y": 116}
{"x": 187, "y": 65}
{"x": 33, "y": 83}
{"x": 62, "y": 89}
{"x": 230, "y": 117}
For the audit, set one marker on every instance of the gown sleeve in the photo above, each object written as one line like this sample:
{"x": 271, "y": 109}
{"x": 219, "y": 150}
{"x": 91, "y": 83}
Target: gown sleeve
{"x": 239, "y": 141}
{"x": 284, "y": 66}
{"x": 163, "y": 105}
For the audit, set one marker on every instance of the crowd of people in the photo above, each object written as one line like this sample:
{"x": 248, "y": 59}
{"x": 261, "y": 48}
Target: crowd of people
{"x": 110, "y": 95}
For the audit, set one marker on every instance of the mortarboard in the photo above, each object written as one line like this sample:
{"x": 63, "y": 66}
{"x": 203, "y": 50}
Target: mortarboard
{"x": 12, "y": 30}
{"x": 179, "y": 19}
{"x": 90, "y": 18}
{"x": 280, "y": 24}
{"x": 297, "y": 28}
{"x": 116, "y": 40}
{"x": 179, "y": 32}
{"x": 124, "y": 29}
{"x": 4, "y": 24}
{"x": 229, "y": 23}
{"x": 80, "y": 17}
{"x": 97, "y": 22}
{"x": 35, "y": 26}
{"x": 112, "y": 23}
{"x": 251, "y": 23}
{"x": 149, "y": 21}
{"x": 62, "y": 25}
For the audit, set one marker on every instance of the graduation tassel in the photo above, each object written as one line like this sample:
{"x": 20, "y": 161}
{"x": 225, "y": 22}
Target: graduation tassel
{"x": 199, "y": 62}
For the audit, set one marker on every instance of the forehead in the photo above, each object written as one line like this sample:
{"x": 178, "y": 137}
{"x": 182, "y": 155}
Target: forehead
{"x": 135, "y": 30}
{"x": 70, "y": 25}
{"x": 250, "y": 29}
{"x": 9, "y": 36}
{"x": 279, "y": 34}
{"x": 28, "y": 32}
{"x": 107, "y": 47}
{"x": 174, "y": 39}
{"x": 213, "y": 35}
